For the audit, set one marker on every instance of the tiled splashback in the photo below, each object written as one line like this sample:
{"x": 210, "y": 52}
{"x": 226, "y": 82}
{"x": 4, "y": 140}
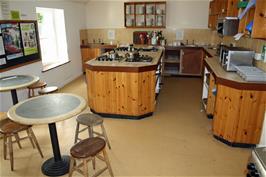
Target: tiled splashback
{"x": 200, "y": 36}
{"x": 123, "y": 35}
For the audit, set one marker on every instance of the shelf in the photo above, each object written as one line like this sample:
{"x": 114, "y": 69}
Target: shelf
{"x": 170, "y": 72}
{"x": 146, "y": 11}
{"x": 171, "y": 61}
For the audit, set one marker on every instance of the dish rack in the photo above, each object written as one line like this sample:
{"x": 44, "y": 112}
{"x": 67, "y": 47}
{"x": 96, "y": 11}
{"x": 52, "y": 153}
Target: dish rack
{"x": 251, "y": 73}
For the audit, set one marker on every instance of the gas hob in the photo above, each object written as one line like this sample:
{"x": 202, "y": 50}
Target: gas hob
{"x": 127, "y": 57}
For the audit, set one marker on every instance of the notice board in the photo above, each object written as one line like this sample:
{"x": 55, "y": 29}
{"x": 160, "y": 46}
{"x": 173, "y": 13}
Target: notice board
{"x": 19, "y": 43}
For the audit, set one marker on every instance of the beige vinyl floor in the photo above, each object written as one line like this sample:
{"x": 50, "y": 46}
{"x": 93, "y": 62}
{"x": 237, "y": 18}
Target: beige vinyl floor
{"x": 175, "y": 141}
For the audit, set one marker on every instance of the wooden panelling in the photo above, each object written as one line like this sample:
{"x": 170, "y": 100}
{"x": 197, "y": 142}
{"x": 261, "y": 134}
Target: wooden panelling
{"x": 252, "y": 114}
{"x": 259, "y": 27}
{"x": 239, "y": 114}
{"x": 211, "y": 97}
{"x": 232, "y": 10}
{"x": 121, "y": 93}
{"x": 88, "y": 54}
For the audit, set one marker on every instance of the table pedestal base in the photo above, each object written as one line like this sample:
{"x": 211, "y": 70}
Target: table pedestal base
{"x": 52, "y": 168}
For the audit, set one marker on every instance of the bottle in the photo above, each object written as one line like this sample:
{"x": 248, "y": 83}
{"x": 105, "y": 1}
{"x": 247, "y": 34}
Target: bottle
{"x": 154, "y": 39}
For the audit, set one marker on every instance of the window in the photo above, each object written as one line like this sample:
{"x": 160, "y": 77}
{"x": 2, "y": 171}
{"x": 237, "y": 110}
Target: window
{"x": 52, "y": 33}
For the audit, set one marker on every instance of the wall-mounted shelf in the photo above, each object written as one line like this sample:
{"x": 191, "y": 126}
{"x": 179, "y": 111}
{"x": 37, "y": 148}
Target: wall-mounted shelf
{"x": 145, "y": 14}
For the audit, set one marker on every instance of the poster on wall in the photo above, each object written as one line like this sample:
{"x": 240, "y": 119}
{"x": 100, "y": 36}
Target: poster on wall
{"x": 12, "y": 40}
{"x": 29, "y": 38}
{"x": 2, "y": 61}
{"x": 2, "y": 49}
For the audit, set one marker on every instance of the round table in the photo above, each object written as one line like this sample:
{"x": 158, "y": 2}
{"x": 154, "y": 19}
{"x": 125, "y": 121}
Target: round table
{"x": 15, "y": 82}
{"x": 48, "y": 109}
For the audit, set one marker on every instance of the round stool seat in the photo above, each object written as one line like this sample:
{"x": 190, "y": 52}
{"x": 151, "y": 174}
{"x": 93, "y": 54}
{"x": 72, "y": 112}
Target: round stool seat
{"x": 7, "y": 126}
{"x": 89, "y": 119}
{"x": 39, "y": 84}
{"x": 48, "y": 90}
{"x": 87, "y": 148}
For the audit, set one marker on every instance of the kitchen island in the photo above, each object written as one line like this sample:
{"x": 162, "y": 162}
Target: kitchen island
{"x": 121, "y": 88}
{"x": 237, "y": 107}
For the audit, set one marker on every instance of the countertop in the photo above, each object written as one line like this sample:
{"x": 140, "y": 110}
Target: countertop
{"x": 231, "y": 79}
{"x": 99, "y": 45}
{"x": 127, "y": 66}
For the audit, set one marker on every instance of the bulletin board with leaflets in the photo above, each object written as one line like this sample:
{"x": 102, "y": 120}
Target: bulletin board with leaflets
{"x": 19, "y": 43}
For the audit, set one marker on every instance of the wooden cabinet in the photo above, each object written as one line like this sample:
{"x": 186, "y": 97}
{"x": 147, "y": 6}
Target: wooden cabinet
{"x": 221, "y": 8}
{"x": 238, "y": 115}
{"x": 238, "y": 107}
{"x": 171, "y": 61}
{"x": 145, "y": 14}
{"x": 183, "y": 61}
{"x": 259, "y": 26}
{"x": 88, "y": 54}
{"x": 191, "y": 61}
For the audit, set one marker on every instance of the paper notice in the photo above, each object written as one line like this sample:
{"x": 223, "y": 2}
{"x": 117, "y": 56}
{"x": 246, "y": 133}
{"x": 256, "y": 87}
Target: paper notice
{"x": 2, "y": 48}
{"x": 2, "y": 61}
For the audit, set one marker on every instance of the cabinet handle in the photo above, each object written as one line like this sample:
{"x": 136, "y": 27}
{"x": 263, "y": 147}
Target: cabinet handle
{"x": 262, "y": 15}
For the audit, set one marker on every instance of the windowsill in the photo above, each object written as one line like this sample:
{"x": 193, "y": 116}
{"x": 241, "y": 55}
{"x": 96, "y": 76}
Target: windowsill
{"x": 51, "y": 66}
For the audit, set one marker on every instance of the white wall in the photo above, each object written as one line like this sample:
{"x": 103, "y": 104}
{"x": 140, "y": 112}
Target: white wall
{"x": 179, "y": 14}
{"x": 74, "y": 21}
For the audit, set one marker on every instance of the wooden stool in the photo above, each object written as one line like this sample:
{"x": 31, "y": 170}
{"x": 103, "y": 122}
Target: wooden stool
{"x": 90, "y": 120}
{"x": 9, "y": 128}
{"x": 48, "y": 90}
{"x": 37, "y": 85}
{"x": 86, "y": 150}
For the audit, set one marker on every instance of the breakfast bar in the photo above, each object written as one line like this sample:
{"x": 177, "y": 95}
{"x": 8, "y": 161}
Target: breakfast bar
{"x": 123, "y": 88}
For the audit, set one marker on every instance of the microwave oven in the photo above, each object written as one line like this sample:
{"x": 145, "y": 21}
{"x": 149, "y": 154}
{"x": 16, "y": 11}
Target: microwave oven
{"x": 227, "y": 26}
{"x": 235, "y": 56}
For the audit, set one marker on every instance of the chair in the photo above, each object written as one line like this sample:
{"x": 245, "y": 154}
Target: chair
{"x": 10, "y": 129}
{"x": 48, "y": 90}
{"x": 87, "y": 150}
{"x": 33, "y": 87}
{"x": 90, "y": 120}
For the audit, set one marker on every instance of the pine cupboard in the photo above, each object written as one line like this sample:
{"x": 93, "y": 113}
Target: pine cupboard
{"x": 231, "y": 8}
{"x": 88, "y": 54}
{"x": 238, "y": 107}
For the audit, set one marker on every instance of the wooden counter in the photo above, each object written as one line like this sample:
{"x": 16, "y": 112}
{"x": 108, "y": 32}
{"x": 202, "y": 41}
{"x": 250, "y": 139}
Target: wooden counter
{"x": 231, "y": 79}
{"x": 122, "y": 89}
{"x": 239, "y": 106}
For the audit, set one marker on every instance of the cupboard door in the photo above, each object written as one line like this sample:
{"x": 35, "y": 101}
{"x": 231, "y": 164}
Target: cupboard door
{"x": 191, "y": 61}
{"x": 232, "y": 10}
{"x": 259, "y": 26}
{"x": 88, "y": 54}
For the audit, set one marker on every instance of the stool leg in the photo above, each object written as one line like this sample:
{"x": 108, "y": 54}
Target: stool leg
{"x": 105, "y": 136}
{"x": 93, "y": 163}
{"x": 33, "y": 137}
{"x": 30, "y": 137}
{"x": 17, "y": 140}
{"x": 5, "y": 145}
{"x": 10, "y": 149}
{"x": 108, "y": 163}
{"x": 85, "y": 168}
{"x": 71, "y": 166}
{"x": 90, "y": 130}
{"x": 77, "y": 133}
